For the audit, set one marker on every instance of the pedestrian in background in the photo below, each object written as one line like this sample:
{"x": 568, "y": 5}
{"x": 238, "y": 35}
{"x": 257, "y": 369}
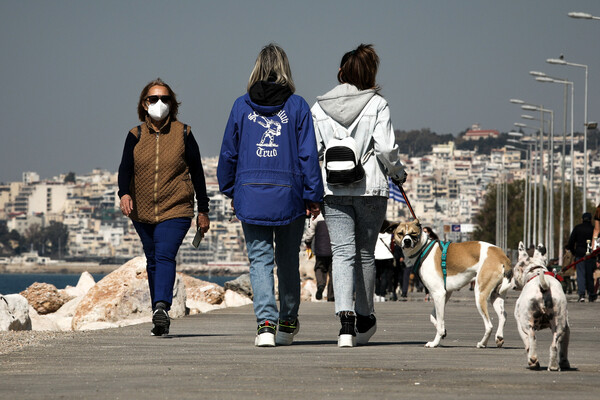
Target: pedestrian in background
{"x": 316, "y": 239}
{"x": 269, "y": 166}
{"x": 579, "y": 244}
{"x": 384, "y": 264}
{"x": 160, "y": 171}
{"x": 354, "y": 212}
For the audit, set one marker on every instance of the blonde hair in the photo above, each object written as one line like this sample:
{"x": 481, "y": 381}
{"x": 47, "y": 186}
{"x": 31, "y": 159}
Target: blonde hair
{"x": 272, "y": 65}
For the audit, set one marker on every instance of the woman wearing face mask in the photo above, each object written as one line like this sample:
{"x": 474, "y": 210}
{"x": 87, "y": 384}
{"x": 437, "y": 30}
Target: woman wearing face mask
{"x": 354, "y": 212}
{"x": 160, "y": 170}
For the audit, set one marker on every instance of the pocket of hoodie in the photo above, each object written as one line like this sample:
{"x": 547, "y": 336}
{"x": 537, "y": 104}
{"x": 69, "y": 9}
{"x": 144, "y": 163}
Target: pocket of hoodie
{"x": 267, "y": 201}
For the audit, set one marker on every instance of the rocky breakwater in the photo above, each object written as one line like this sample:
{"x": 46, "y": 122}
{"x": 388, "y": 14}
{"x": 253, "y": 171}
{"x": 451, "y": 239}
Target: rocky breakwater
{"x": 121, "y": 298}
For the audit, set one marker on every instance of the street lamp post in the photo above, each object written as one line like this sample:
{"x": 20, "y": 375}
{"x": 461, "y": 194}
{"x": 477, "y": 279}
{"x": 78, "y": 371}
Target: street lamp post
{"x": 535, "y": 171}
{"x": 562, "y": 187}
{"x": 560, "y": 61}
{"x": 581, "y": 15}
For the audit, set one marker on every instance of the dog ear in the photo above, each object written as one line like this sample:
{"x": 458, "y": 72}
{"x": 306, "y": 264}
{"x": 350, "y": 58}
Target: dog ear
{"x": 418, "y": 223}
{"x": 392, "y": 227}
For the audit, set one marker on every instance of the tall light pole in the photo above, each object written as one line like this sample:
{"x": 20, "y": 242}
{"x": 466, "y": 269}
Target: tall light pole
{"x": 535, "y": 171}
{"x": 526, "y": 197}
{"x": 562, "y": 186}
{"x": 560, "y": 61}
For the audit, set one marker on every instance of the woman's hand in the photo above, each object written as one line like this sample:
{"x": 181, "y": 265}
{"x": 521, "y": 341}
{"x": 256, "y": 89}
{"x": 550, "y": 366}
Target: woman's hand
{"x": 314, "y": 209}
{"x": 203, "y": 222}
{"x": 126, "y": 205}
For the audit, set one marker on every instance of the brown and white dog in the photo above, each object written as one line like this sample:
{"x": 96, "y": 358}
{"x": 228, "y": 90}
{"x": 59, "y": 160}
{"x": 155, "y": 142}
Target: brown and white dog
{"x": 542, "y": 304}
{"x": 485, "y": 263}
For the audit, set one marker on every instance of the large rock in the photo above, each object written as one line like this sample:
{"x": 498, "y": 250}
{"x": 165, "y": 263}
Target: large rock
{"x": 202, "y": 296}
{"x": 45, "y": 298}
{"x": 241, "y": 285}
{"x": 123, "y": 298}
{"x": 84, "y": 284}
{"x": 234, "y": 299}
{"x": 14, "y": 313}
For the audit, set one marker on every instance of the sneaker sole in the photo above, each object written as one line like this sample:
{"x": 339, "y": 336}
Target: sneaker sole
{"x": 161, "y": 323}
{"x": 346, "y": 341}
{"x": 284, "y": 338}
{"x": 363, "y": 338}
{"x": 265, "y": 340}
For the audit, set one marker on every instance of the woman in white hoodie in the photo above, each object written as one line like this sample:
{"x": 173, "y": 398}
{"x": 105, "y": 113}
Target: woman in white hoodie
{"x": 354, "y": 212}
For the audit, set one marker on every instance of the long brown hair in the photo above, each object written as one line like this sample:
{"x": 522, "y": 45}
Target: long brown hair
{"x": 272, "y": 64}
{"x": 359, "y": 67}
{"x": 173, "y": 107}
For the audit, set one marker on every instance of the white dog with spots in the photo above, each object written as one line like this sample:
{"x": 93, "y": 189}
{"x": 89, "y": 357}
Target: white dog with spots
{"x": 542, "y": 304}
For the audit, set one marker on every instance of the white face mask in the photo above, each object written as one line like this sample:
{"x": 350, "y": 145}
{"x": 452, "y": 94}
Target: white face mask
{"x": 158, "y": 111}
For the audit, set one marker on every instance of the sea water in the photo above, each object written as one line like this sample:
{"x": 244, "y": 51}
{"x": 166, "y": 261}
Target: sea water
{"x": 16, "y": 283}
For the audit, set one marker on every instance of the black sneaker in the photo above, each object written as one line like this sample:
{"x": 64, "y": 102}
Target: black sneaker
{"x": 581, "y": 299}
{"x": 286, "y": 331}
{"x": 161, "y": 320}
{"x": 319, "y": 294}
{"x": 265, "y": 335}
{"x": 347, "y": 337}
{"x": 365, "y": 328}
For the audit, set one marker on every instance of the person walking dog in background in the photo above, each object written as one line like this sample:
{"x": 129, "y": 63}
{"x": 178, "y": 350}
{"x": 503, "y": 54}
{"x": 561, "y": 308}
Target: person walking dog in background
{"x": 269, "y": 166}
{"x": 354, "y": 211}
{"x": 316, "y": 238}
{"x": 159, "y": 172}
{"x": 579, "y": 244}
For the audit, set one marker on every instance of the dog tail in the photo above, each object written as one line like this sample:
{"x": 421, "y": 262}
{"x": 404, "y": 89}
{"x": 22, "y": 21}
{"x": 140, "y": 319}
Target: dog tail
{"x": 543, "y": 283}
{"x": 507, "y": 281}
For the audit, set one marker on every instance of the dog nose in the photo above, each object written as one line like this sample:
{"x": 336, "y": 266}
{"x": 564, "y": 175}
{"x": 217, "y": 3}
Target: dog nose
{"x": 407, "y": 243}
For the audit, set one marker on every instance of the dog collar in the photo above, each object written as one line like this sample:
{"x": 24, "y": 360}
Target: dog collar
{"x": 552, "y": 274}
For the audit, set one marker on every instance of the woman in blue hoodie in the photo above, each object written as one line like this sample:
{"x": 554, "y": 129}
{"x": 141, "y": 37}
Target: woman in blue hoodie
{"x": 269, "y": 166}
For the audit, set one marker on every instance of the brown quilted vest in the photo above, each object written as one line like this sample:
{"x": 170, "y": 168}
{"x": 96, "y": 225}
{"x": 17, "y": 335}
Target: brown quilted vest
{"x": 161, "y": 187}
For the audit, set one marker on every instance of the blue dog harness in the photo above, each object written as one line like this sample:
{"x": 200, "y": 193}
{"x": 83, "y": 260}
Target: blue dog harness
{"x": 424, "y": 252}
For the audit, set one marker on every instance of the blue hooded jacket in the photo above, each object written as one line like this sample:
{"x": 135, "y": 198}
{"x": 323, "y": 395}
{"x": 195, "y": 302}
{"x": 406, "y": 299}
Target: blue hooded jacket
{"x": 268, "y": 162}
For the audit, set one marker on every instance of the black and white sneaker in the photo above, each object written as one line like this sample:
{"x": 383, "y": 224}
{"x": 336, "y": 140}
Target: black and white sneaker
{"x": 365, "y": 328}
{"x": 286, "y": 331}
{"x": 161, "y": 320}
{"x": 347, "y": 337}
{"x": 265, "y": 335}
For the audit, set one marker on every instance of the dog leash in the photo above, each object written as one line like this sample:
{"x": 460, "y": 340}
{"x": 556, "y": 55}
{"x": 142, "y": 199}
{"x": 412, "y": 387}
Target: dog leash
{"x": 407, "y": 202}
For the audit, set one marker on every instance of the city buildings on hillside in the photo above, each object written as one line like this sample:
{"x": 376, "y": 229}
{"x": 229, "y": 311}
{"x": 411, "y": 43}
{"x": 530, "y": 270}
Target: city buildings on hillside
{"x": 446, "y": 189}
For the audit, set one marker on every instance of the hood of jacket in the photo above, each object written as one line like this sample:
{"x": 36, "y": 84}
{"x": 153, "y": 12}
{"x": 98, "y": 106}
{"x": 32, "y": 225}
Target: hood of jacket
{"x": 344, "y": 102}
{"x": 267, "y": 97}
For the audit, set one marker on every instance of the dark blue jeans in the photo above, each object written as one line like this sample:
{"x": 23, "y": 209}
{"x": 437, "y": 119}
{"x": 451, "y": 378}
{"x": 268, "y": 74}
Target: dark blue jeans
{"x": 161, "y": 243}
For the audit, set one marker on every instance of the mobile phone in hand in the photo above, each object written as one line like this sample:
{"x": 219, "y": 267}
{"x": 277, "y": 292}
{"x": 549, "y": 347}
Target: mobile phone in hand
{"x": 197, "y": 238}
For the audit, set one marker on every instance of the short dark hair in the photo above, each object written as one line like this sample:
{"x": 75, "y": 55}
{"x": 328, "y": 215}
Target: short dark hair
{"x": 174, "y": 106}
{"x": 359, "y": 67}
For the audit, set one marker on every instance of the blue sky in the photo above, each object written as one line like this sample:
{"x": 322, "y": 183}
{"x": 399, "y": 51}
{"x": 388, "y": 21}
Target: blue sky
{"x": 72, "y": 71}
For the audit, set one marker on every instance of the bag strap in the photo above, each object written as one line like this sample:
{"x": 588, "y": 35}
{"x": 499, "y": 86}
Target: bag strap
{"x": 184, "y": 132}
{"x": 139, "y": 130}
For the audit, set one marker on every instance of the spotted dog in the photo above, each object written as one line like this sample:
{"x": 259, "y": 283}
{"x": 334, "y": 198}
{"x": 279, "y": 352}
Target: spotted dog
{"x": 485, "y": 263}
{"x": 542, "y": 304}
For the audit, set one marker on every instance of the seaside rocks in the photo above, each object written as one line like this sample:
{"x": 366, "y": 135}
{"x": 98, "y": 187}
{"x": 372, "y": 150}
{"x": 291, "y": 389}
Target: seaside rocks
{"x": 14, "y": 313}
{"x": 44, "y": 297}
{"x": 84, "y": 284}
{"x": 123, "y": 298}
{"x": 241, "y": 285}
{"x": 201, "y": 296}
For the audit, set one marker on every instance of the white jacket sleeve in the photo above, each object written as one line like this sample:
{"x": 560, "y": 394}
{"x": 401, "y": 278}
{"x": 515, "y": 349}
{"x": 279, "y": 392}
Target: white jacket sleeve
{"x": 386, "y": 149}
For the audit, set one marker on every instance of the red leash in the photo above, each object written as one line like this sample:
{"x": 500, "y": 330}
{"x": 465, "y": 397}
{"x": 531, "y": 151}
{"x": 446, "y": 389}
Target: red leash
{"x": 593, "y": 254}
{"x": 407, "y": 202}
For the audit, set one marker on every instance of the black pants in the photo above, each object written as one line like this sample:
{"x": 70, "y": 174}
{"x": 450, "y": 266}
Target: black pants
{"x": 322, "y": 272}
{"x": 384, "y": 276}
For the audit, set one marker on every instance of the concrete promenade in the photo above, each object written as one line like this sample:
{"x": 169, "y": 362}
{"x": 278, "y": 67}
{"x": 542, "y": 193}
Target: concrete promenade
{"x": 212, "y": 356}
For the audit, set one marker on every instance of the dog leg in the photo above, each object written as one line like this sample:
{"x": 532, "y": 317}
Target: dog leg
{"x": 482, "y": 307}
{"x": 498, "y": 303}
{"x": 532, "y": 359}
{"x": 556, "y": 336}
{"x": 563, "y": 354}
{"x": 439, "y": 301}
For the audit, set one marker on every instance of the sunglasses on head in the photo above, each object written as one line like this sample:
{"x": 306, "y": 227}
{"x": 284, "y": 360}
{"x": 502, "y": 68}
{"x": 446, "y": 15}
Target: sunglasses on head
{"x": 153, "y": 99}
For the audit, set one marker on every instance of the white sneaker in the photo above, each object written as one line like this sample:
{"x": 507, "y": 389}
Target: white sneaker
{"x": 265, "y": 335}
{"x": 286, "y": 331}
